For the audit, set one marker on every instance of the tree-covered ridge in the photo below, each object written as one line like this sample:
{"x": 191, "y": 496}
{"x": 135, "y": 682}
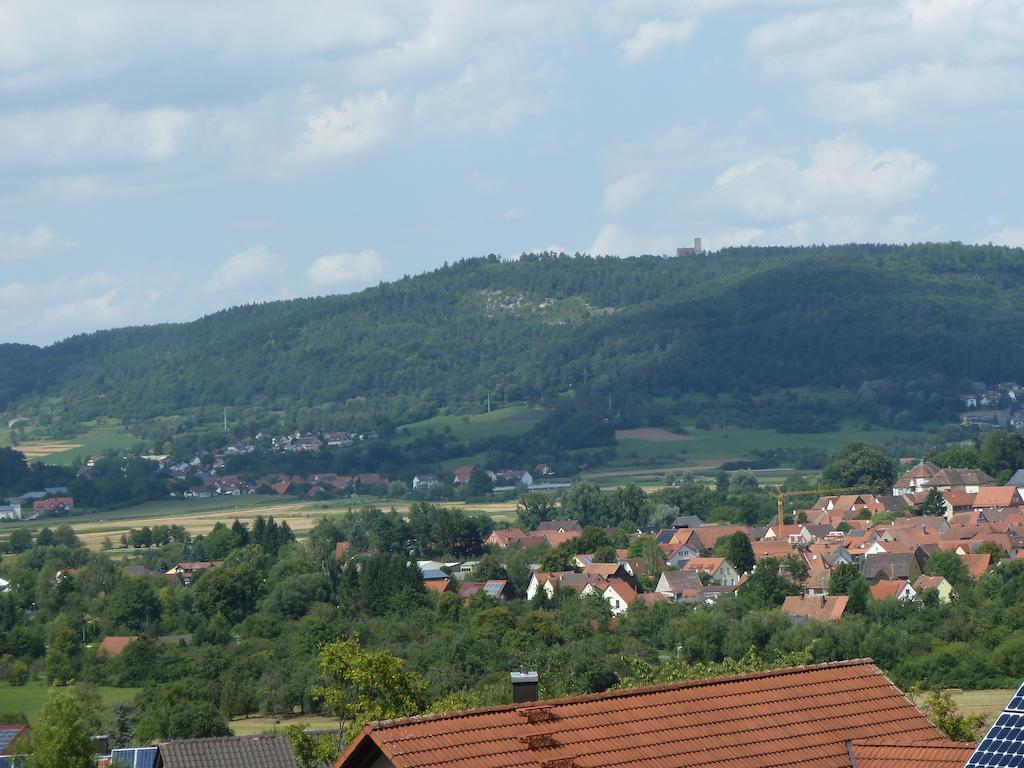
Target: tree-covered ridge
{"x": 745, "y": 321}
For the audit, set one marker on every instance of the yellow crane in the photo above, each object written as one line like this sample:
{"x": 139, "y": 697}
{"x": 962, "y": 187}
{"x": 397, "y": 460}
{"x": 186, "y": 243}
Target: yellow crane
{"x": 781, "y": 494}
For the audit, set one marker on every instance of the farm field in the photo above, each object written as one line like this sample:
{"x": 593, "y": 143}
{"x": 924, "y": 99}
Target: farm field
{"x": 31, "y": 697}
{"x": 704, "y": 447}
{"x": 199, "y": 516}
{"x": 988, "y": 703}
{"x": 513, "y": 420}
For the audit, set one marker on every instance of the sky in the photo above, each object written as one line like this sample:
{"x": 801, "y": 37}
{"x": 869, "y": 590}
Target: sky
{"x": 160, "y": 161}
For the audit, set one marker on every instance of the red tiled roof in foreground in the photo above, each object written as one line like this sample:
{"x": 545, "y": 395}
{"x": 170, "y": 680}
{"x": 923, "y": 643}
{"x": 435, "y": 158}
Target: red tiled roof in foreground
{"x": 888, "y": 753}
{"x": 790, "y": 717}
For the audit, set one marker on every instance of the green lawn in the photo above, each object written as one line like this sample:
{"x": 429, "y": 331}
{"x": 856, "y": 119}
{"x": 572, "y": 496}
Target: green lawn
{"x": 512, "y": 420}
{"x": 704, "y": 446}
{"x": 102, "y": 437}
{"x": 30, "y": 698}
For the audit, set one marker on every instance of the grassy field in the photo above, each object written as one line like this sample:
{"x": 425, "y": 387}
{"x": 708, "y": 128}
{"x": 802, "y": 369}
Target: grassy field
{"x": 30, "y": 698}
{"x": 701, "y": 447}
{"x": 253, "y": 726}
{"x": 988, "y": 703}
{"x": 513, "y": 420}
{"x": 96, "y": 441}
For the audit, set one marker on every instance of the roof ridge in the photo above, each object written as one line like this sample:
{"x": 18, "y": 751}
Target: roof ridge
{"x": 620, "y": 693}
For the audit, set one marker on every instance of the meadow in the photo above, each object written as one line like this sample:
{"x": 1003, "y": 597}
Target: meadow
{"x": 29, "y": 699}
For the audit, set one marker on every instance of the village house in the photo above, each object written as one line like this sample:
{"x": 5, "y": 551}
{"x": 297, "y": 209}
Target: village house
{"x": 559, "y": 526}
{"x": 114, "y": 645}
{"x": 497, "y": 589}
{"x": 815, "y": 607}
{"x": 187, "y": 572}
{"x": 52, "y": 505}
{"x": 805, "y": 716}
{"x": 719, "y": 570}
{"x": 900, "y": 589}
{"x": 680, "y": 586}
{"x": 938, "y": 583}
{"x": 913, "y": 480}
{"x": 968, "y": 480}
{"x": 423, "y": 482}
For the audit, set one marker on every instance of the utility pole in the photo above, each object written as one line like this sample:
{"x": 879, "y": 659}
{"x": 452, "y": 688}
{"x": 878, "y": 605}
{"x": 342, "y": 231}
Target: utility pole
{"x": 225, "y": 420}
{"x": 488, "y": 401}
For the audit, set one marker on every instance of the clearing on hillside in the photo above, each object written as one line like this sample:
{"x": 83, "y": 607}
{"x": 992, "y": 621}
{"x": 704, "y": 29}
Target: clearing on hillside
{"x": 651, "y": 435}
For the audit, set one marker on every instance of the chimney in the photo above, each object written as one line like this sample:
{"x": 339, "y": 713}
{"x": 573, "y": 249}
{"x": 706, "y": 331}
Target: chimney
{"x": 525, "y": 686}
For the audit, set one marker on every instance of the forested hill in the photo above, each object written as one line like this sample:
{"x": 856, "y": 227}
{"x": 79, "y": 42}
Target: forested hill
{"x": 744, "y": 321}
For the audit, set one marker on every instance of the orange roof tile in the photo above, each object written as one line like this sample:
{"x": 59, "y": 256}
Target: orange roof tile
{"x": 976, "y": 564}
{"x": 891, "y": 753}
{"x": 802, "y": 716}
{"x": 887, "y": 588}
{"x": 997, "y": 496}
{"x": 817, "y": 607}
{"x": 114, "y": 645}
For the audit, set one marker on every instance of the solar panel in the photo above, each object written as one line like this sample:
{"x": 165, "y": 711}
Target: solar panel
{"x": 1003, "y": 745}
{"x": 1017, "y": 702}
{"x": 133, "y": 757}
{"x": 7, "y": 735}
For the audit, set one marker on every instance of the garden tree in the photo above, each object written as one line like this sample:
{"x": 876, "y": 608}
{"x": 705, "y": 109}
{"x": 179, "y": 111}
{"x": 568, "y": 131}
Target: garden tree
{"x": 933, "y": 504}
{"x": 63, "y": 653}
{"x": 961, "y": 456}
{"x": 590, "y": 539}
{"x": 13, "y": 468}
{"x": 489, "y": 567}
{"x": 221, "y": 541}
{"x": 311, "y": 751}
{"x": 736, "y": 548}
{"x": 944, "y": 714}
{"x": 45, "y": 538}
{"x": 858, "y": 592}
{"x": 859, "y": 464}
{"x": 534, "y": 508}
{"x": 742, "y": 482}
{"x": 948, "y": 565}
{"x": 642, "y": 672}
{"x": 995, "y": 552}
{"x": 722, "y": 482}
{"x": 625, "y": 504}
{"x": 218, "y": 590}
{"x": 20, "y": 540}
{"x": 65, "y": 536}
{"x": 646, "y": 548}
{"x": 294, "y": 595}
{"x": 1002, "y": 453}
{"x": 480, "y": 483}
{"x": 561, "y": 558}
{"x": 122, "y": 725}
{"x": 795, "y": 568}
{"x": 61, "y": 737}
{"x": 134, "y": 603}
{"x": 766, "y": 588}
{"x": 359, "y": 685}
{"x": 162, "y": 716}
{"x": 843, "y": 575}
{"x": 606, "y": 553}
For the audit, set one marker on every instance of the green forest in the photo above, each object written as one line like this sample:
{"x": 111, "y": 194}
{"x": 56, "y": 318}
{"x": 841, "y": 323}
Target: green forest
{"x": 794, "y": 339}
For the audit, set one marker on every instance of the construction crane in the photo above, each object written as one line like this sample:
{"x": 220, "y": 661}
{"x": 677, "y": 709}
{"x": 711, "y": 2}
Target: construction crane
{"x": 781, "y": 494}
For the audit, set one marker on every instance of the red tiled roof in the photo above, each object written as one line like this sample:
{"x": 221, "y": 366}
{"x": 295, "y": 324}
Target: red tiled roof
{"x": 114, "y": 645}
{"x": 802, "y": 716}
{"x": 817, "y": 607}
{"x": 976, "y": 564}
{"x": 890, "y": 753}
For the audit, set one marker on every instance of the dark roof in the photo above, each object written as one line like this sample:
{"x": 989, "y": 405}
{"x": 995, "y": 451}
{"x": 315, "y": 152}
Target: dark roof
{"x": 687, "y": 521}
{"x": 892, "y": 565}
{"x": 788, "y": 717}
{"x": 270, "y": 751}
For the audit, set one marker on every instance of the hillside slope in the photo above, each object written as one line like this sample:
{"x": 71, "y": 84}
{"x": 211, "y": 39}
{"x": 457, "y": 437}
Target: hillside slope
{"x": 747, "y": 321}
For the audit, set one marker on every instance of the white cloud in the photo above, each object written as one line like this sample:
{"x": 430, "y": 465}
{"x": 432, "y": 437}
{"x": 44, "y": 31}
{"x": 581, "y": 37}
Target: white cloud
{"x": 625, "y": 192}
{"x": 39, "y": 240}
{"x": 842, "y": 174}
{"x": 341, "y": 269}
{"x": 246, "y": 268}
{"x": 614, "y": 240}
{"x": 1009, "y": 236}
{"x": 879, "y": 61}
{"x": 652, "y": 37}
{"x": 93, "y": 132}
{"x": 348, "y": 128}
